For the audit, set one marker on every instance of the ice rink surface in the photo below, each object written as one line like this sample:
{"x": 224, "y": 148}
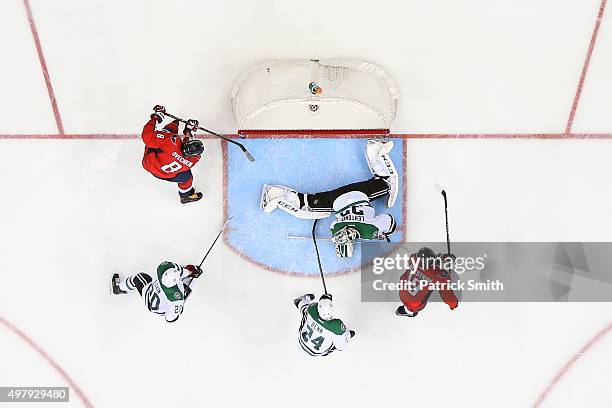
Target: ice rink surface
{"x": 76, "y": 207}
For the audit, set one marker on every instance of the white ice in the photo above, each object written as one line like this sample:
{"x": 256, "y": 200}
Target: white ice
{"x": 75, "y": 211}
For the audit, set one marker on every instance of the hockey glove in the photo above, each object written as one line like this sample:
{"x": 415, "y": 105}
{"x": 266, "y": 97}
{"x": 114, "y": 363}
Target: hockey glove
{"x": 191, "y": 126}
{"x": 196, "y": 271}
{"x": 159, "y": 113}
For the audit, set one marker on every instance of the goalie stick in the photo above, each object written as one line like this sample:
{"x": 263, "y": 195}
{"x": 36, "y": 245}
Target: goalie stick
{"x": 314, "y": 240}
{"x": 240, "y": 145}
{"x": 303, "y": 238}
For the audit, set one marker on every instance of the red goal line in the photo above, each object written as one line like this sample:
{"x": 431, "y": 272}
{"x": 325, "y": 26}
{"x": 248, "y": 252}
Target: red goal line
{"x": 324, "y": 135}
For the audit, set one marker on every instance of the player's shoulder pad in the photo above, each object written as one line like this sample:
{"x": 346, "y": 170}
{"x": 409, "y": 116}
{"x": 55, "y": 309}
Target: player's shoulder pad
{"x": 335, "y": 326}
{"x": 164, "y": 266}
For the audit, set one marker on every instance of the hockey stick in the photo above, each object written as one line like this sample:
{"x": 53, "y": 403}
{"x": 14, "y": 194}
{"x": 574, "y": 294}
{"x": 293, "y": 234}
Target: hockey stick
{"x": 215, "y": 241}
{"x": 208, "y": 252}
{"x": 314, "y": 239}
{"x": 240, "y": 145}
{"x": 446, "y": 216}
{"x": 303, "y": 238}
{"x": 441, "y": 190}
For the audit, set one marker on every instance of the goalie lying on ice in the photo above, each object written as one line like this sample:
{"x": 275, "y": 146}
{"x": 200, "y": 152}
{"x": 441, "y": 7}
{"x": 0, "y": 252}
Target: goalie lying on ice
{"x": 355, "y": 217}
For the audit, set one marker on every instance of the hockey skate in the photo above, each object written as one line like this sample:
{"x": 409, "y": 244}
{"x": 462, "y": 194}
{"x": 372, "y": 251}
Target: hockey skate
{"x": 115, "y": 289}
{"x": 297, "y": 301}
{"x": 402, "y": 311}
{"x": 381, "y": 165}
{"x": 193, "y": 196}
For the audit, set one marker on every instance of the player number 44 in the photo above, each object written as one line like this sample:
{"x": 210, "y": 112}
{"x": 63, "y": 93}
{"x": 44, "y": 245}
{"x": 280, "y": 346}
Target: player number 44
{"x": 316, "y": 341}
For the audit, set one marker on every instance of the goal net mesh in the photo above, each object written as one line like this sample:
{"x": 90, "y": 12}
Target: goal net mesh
{"x": 329, "y": 94}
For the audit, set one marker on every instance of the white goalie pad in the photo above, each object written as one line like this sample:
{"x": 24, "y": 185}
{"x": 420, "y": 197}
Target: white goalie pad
{"x": 270, "y": 196}
{"x": 285, "y": 198}
{"x": 380, "y": 164}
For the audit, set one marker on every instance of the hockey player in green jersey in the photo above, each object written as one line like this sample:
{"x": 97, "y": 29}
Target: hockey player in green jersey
{"x": 355, "y": 217}
{"x": 320, "y": 334}
{"x": 164, "y": 294}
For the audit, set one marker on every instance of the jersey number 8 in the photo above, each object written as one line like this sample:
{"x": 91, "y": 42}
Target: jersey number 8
{"x": 171, "y": 167}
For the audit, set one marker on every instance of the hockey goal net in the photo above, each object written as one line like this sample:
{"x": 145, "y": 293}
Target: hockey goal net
{"x": 314, "y": 96}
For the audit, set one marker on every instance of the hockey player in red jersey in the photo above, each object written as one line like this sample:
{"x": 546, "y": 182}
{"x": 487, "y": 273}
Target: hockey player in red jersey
{"x": 170, "y": 157}
{"x": 420, "y": 282}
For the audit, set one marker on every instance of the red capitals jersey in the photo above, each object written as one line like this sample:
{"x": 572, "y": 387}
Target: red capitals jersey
{"x": 422, "y": 280}
{"x": 163, "y": 156}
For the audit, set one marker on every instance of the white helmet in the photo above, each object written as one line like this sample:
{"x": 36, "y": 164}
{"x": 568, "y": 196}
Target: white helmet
{"x": 172, "y": 276}
{"x": 325, "y": 307}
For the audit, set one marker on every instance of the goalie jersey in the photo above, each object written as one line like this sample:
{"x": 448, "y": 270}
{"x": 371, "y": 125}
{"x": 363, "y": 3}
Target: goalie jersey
{"x": 162, "y": 300}
{"x": 353, "y": 209}
{"x": 319, "y": 337}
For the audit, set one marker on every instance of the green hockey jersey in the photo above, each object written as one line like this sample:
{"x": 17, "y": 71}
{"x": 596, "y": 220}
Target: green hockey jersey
{"x": 162, "y": 300}
{"x": 319, "y": 337}
{"x": 353, "y": 209}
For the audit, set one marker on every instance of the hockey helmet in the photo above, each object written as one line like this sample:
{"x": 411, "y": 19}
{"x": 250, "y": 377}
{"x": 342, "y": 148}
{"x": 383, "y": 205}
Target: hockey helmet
{"x": 325, "y": 307}
{"x": 192, "y": 147}
{"x": 171, "y": 276}
{"x": 426, "y": 253}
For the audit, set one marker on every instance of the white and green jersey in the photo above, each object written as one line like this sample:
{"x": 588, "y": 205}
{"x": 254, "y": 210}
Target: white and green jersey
{"x": 353, "y": 209}
{"x": 319, "y": 337}
{"x": 162, "y": 300}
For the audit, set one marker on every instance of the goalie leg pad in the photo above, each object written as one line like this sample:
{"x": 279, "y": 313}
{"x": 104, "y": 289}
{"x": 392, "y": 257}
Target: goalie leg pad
{"x": 376, "y": 153}
{"x": 272, "y": 194}
{"x": 381, "y": 165}
{"x": 288, "y": 200}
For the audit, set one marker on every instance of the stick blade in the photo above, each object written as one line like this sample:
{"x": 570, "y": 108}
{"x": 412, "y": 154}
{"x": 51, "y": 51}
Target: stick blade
{"x": 249, "y": 155}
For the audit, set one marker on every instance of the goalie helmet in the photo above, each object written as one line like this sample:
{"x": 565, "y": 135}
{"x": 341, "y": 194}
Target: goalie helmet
{"x": 172, "y": 276}
{"x": 192, "y": 147}
{"x": 325, "y": 308}
{"x": 344, "y": 241}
